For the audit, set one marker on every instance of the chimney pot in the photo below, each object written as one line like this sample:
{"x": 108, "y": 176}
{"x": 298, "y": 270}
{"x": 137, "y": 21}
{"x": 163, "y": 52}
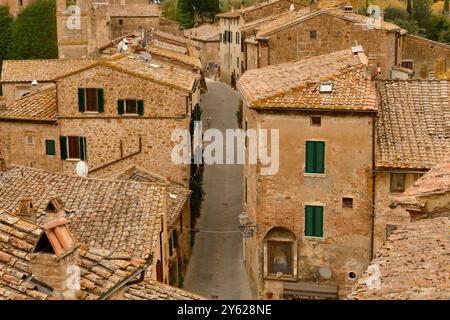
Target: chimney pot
{"x": 3, "y": 164}
{"x": 26, "y": 210}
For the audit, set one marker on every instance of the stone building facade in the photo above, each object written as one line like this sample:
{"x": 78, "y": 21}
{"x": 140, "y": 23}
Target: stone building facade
{"x": 321, "y": 218}
{"x": 91, "y": 25}
{"x": 207, "y": 38}
{"x": 322, "y": 29}
{"x": 231, "y": 44}
{"x": 113, "y": 114}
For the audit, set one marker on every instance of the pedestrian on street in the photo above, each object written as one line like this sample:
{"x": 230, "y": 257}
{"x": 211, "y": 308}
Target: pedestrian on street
{"x": 208, "y": 121}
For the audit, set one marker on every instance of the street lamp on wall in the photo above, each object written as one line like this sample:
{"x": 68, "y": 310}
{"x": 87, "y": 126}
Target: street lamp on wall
{"x": 246, "y": 226}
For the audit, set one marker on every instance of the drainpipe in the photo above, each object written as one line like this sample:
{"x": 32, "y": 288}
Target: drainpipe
{"x": 374, "y": 178}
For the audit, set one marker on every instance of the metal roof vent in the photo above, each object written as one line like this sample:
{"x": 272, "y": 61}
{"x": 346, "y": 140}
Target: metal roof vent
{"x": 326, "y": 87}
{"x": 146, "y": 57}
{"x": 357, "y": 48}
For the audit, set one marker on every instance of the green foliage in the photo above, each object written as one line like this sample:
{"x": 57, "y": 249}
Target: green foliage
{"x": 446, "y": 8}
{"x": 5, "y": 31}
{"x": 34, "y": 32}
{"x": 198, "y": 193}
{"x": 180, "y": 280}
{"x": 239, "y": 114}
{"x": 420, "y": 20}
{"x": 188, "y": 12}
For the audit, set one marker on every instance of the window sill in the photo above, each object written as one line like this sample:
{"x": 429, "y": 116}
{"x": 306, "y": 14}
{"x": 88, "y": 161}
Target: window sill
{"x": 314, "y": 238}
{"x": 72, "y": 160}
{"x": 130, "y": 115}
{"x": 314, "y": 175}
{"x": 91, "y": 112}
{"x": 282, "y": 278}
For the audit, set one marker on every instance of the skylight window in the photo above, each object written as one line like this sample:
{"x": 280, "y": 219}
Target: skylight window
{"x": 326, "y": 87}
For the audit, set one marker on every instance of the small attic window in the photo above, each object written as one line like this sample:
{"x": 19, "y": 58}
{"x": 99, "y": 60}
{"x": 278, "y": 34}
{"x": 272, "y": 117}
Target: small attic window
{"x": 326, "y": 87}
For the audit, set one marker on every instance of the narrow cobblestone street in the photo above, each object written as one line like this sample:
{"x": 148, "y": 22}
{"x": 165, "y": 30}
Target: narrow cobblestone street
{"x": 216, "y": 269}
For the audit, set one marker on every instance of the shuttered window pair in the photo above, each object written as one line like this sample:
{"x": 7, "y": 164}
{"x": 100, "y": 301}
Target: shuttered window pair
{"x": 314, "y": 221}
{"x": 73, "y": 147}
{"x": 315, "y": 157}
{"x": 91, "y": 100}
{"x": 130, "y": 106}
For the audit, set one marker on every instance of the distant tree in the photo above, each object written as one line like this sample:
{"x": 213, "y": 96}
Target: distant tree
{"x": 446, "y": 8}
{"x": 423, "y": 15}
{"x": 5, "y": 32}
{"x": 34, "y": 32}
{"x": 409, "y": 8}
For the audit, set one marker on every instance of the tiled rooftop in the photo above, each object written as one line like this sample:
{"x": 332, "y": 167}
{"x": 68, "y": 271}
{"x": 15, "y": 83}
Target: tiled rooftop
{"x": 177, "y": 194}
{"x": 326, "y": 7}
{"x": 171, "y": 38}
{"x": 297, "y": 84}
{"x": 36, "y": 106}
{"x": 175, "y": 56}
{"x": 413, "y": 264}
{"x": 100, "y": 269}
{"x": 157, "y": 70}
{"x": 434, "y": 182}
{"x": 205, "y": 32}
{"x": 122, "y": 216}
{"x": 237, "y": 13}
{"x": 413, "y": 123}
{"x": 41, "y": 70}
{"x": 153, "y": 290}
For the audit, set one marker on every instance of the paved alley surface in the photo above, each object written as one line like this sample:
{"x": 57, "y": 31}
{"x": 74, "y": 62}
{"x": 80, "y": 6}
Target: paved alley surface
{"x": 216, "y": 270}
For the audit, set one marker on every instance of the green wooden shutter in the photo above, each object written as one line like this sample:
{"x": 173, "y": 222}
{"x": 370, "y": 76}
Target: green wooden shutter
{"x": 310, "y": 157}
{"x": 309, "y": 220}
{"x": 320, "y": 156}
{"x": 140, "y": 107}
{"x": 63, "y": 147}
{"x": 100, "y": 100}
{"x": 120, "y": 106}
{"x": 315, "y": 157}
{"x": 83, "y": 149}
{"x": 81, "y": 100}
{"x": 318, "y": 222}
{"x": 50, "y": 149}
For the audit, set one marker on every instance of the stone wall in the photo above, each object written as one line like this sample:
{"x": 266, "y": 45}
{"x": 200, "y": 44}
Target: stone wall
{"x": 165, "y": 110}
{"x": 16, "y": 150}
{"x": 332, "y": 34}
{"x": 279, "y": 200}
{"x": 13, "y": 91}
{"x": 270, "y": 9}
{"x": 427, "y": 55}
{"x": 121, "y": 26}
{"x": 209, "y": 54}
{"x": 230, "y": 53}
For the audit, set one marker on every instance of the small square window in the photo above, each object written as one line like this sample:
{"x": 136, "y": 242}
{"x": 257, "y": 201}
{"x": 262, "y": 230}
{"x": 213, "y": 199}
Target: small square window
{"x": 30, "y": 140}
{"x": 131, "y": 106}
{"x": 120, "y": 21}
{"x": 347, "y": 202}
{"x": 398, "y": 182}
{"x": 316, "y": 121}
{"x": 389, "y": 229}
{"x": 313, "y": 35}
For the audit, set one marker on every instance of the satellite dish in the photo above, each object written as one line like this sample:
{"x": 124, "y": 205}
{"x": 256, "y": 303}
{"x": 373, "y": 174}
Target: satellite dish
{"x": 325, "y": 273}
{"x": 146, "y": 57}
{"x": 291, "y": 8}
{"x": 82, "y": 169}
{"x": 122, "y": 46}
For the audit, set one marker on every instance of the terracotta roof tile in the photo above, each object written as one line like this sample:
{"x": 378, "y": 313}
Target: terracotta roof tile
{"x": 101, "y": 266}
{"x": 413, "y": 123}
{"x": 413, "y": 264}
{"x": 297, "y": 84}
{"x": 38, "y": 106}
{"x": 175, "y": 56}
{"x": 116, "y": 215}
{"x": 177, "y": 195}
{"x": 153, "y": 290}
{"x": 205, "y": 32}
{"x": 40, "y": 70}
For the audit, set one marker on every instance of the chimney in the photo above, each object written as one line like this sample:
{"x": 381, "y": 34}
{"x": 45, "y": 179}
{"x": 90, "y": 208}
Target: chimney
{"x": 54, "y": 209}
{"x": 54, "y": 262}
{"x": 26, "y": 210}
{"x": 313, "y": 5}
